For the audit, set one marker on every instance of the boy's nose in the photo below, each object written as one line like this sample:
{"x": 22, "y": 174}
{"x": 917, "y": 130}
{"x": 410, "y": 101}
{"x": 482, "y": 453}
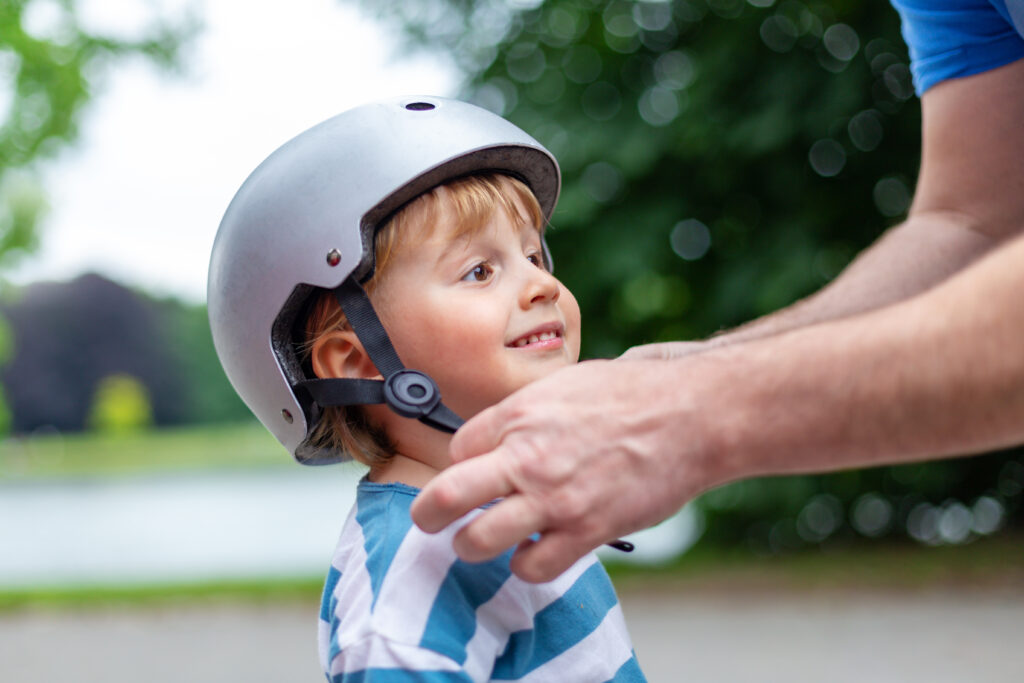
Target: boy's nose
{"x": 541, "y": 286}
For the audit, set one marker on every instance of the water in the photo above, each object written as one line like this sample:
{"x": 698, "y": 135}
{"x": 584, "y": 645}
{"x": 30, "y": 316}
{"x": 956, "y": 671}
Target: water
{"x": 228, "y": 525}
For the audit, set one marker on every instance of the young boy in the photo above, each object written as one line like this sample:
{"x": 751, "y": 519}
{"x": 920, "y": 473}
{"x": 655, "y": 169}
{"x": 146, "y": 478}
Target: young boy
{"x": 430, "y": 213}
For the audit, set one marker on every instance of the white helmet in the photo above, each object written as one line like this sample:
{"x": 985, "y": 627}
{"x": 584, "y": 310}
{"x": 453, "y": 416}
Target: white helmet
{"x": 305, "y": 220}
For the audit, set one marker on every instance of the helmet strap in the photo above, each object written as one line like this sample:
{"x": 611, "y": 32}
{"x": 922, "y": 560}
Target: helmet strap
{"x": 409, "y": 393}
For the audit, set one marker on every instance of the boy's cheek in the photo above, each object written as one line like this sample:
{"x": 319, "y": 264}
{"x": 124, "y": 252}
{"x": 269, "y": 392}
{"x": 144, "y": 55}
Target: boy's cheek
{"x": 573, "y": 321}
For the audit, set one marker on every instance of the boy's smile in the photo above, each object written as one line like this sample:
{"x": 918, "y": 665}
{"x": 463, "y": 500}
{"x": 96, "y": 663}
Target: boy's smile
{"x": 544, "y": 337}
{"x": 479, "y": 313}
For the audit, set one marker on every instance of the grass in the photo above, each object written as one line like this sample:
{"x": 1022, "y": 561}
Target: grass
{"x": 188, "y": 448}
{"x": 255, "y": 591}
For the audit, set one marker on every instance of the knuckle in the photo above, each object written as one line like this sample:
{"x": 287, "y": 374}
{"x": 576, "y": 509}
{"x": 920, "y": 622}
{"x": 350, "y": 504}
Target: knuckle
{"x": 477, "y": 539}
{"x": 569, "y": 507}
{"x": 445, "y": 495}
{"x": 534, "y": 574}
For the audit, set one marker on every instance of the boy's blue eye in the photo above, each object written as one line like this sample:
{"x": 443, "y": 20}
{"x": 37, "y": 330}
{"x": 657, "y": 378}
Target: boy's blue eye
{"x": 480, "y": 273}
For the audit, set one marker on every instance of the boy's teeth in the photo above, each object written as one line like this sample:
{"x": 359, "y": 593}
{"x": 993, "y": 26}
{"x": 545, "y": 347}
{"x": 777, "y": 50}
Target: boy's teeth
{"x": 534, "y": 338}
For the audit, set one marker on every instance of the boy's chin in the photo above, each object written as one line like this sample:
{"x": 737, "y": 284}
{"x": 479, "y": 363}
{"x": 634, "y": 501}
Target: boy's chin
{"x": 498, "y": 392}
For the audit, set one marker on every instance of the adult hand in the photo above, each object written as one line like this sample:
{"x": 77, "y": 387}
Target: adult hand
{"x": 579, "y": 457}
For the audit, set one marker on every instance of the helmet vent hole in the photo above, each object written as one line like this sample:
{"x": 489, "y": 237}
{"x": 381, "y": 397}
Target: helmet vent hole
{"x": 419, "y": 106}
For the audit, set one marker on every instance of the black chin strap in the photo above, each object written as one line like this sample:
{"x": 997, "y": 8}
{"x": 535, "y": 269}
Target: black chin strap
{"x": 410, "y": 393}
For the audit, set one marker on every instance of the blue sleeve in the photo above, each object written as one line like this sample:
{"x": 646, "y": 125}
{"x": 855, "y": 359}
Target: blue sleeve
{"x": 953, "y": 38}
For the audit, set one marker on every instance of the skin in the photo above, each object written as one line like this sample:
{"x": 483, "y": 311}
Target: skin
{"x": 912, "y": 353}
{"x": 480, "y": 314}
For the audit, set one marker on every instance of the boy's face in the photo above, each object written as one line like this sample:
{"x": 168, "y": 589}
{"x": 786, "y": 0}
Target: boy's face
{"x": 480, "y": 314}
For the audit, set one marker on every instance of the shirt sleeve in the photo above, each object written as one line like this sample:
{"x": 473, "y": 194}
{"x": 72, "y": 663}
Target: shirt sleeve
{"x": 955, "y": 38}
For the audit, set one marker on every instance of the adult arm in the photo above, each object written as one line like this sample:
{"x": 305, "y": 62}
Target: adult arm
{"x": 883, "y": 368}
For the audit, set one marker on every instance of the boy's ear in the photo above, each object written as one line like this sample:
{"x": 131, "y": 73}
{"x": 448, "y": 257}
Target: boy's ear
{"x": 340, "y": 354}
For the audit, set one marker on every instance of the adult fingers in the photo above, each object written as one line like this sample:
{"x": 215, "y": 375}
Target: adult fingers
{"x": 481, "y": 434}
{"x": 664, "y": 350}
{"x": 507, "y": 524}
{"x": 545, "y": 559}
{"x": 457, "y": 490}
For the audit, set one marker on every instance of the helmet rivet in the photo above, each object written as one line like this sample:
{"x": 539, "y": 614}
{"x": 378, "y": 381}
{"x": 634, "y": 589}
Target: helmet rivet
{"x": 287, "y": 415}
{"x": 333, "y": 257}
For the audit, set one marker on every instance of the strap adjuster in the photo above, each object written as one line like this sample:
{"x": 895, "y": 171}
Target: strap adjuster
{"x": 411, "y": 393}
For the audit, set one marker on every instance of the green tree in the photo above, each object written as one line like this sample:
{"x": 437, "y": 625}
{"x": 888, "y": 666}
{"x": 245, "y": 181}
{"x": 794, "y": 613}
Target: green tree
{"x": 5, "y": 354}
{"x": 120, "y": 406}
{"x": 51, "y": 65}
{"x": 209, "y": 397}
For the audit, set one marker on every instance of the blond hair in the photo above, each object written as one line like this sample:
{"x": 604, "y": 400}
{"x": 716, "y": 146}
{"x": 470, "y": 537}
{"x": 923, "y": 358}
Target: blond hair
{"x": 470, "y": 202}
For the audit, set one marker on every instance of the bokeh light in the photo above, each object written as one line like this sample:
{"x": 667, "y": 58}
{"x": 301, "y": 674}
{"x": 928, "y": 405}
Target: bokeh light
{"x": 602, "y": 181}
{"x": 841, "y": 41}
{"x": 865, "y": 130}
{"x": 871, "y": 515}
{"x": 827, "y": 157}
{"x": 690, "y": 239}
{"x": 674, "y": 70}
{"x": 891, "y": 196}
{"x": 658, "y": 106}
{"x": 820, "y": 518}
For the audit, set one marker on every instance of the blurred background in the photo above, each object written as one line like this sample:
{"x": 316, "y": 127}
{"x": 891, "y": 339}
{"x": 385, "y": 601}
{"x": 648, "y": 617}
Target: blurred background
{"x": 721, "y": 159}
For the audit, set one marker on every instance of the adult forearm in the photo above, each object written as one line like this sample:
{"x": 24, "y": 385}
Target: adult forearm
{"x": 907, "y": 260}
{"x": 937, "y": 374}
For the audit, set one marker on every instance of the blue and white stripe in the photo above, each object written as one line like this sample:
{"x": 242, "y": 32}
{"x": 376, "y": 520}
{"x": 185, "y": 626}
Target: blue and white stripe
{"x": 399, "y": 605}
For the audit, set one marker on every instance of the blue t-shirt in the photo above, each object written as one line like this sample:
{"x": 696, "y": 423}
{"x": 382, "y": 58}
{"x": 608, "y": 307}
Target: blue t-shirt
{"x": 953, "y": 38}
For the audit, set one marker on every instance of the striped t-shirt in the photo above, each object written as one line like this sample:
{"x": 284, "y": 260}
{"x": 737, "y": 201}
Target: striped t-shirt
{"x": 399, "y": 605}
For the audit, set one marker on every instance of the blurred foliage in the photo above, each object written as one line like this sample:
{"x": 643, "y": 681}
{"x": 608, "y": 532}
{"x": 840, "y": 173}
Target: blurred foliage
{"x": 209, "y": 396}
{"x": 721, "y": 159}
{"x": 120, "y": 406}
{"x": 50, "y": 63}
{"x": 5, "y": 354}
{"x": 68, "y": 337}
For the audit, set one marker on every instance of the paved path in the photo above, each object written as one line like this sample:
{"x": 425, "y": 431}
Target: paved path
{"x": 756, "y": 636}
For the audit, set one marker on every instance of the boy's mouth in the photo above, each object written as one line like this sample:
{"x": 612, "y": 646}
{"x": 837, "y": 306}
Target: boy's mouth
{"x": 544, "y": 333}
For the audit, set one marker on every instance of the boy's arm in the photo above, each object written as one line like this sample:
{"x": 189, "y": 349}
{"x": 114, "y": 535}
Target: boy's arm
{"x": 969, "y": 199}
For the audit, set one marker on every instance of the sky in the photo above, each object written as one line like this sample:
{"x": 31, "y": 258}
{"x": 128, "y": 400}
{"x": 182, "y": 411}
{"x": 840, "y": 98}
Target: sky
{"x": 140, "y": 195}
